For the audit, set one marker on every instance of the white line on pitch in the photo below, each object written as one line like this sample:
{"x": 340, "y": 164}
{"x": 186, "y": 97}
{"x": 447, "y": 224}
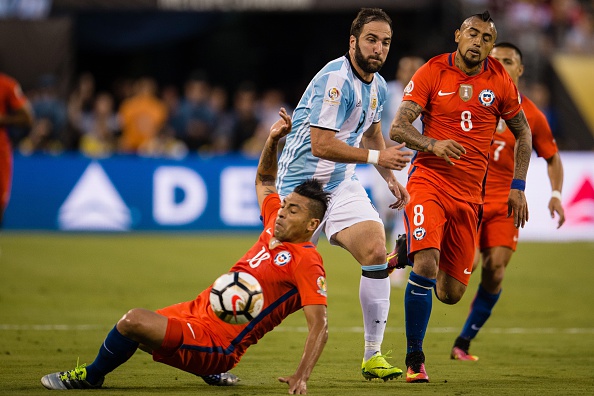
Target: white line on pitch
{"x": 293, "y": 329}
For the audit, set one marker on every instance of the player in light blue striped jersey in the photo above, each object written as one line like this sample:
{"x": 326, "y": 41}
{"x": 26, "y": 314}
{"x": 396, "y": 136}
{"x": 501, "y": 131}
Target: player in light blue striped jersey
{"x": 336, "y": 126}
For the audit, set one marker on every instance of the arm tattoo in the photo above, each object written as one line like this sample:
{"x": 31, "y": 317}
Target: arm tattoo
{"x": 266, "y": 180}
{"x": 518, "y": 125}
{"x": 268, "y": 160}
{"x": 403, "y": 131}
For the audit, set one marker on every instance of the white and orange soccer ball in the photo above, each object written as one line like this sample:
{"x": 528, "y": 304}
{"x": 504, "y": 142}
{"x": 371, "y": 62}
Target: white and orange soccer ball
{"x": 236, "y": 297}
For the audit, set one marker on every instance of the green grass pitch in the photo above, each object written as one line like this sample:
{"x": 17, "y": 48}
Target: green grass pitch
{"x": 61, "y": 293}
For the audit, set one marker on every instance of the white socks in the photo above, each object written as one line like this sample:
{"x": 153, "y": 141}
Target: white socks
{"x": 374, "y": 295}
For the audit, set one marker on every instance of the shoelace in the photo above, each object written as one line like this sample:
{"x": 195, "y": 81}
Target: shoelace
{"x": 77, "y": 373}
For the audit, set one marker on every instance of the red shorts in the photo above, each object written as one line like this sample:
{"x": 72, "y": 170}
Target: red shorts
{"x": 195, "y": 341}
{"x": 496, "y": 228}
{"x": 434, "y": 219}
{"x": 5, "y": 170}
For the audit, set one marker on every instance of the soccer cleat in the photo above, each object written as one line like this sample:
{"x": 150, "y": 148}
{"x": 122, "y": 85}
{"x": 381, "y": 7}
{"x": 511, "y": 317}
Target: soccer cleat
{"x": 415, "y": 367}
{"x": 398, "y": 258}
{"x": 461, "y": 354}
{"x": 73, "y": 379}
{"x": 223, "y": 379}
{"x": 378, "y": 367}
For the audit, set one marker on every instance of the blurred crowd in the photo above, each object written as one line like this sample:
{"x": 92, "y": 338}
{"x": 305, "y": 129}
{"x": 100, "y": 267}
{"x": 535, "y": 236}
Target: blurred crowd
{"x": 137, "y": 116}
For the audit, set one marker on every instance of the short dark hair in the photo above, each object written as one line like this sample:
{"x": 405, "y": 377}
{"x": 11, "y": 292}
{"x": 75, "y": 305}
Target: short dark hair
{"x": 510, "y": 46}
{"x": 367, "y": 15}
{"x": 314, "y": 190}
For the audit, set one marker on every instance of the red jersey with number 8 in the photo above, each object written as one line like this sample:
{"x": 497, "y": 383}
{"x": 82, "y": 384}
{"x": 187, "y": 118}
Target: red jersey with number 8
{"x": 465, "y": 109}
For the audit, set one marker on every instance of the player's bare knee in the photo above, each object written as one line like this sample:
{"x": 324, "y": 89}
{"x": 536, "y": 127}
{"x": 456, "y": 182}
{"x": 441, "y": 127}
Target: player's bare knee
{"x": 131, "y": 322}
{"x": 374, "y": 254}
{"x": 448, "y": 297}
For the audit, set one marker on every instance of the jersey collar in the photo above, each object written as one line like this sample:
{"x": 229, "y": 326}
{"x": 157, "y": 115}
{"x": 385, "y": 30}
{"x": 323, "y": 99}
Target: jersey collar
{"x": 355, "y": 71}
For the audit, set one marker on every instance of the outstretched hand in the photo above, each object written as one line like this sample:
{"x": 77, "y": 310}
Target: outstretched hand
{"x": 297, "y": 386}
{"x": 446, "y": 149}
{"x": 401, "y": 194}
{"x": 282, "y": 127}
{"x": 394, "y": 157}
{"x": 517, "y": 205}
{"x": 556, "y": 207}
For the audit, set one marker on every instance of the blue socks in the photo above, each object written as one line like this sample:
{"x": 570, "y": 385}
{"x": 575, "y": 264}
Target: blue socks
{"x": 116, "y": 349}
{"x": 480, "y": 311}
{"x": 418, "y": 300}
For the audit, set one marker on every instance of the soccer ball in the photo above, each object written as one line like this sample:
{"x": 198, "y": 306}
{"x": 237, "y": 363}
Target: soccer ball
{"x": 236, "y": 297}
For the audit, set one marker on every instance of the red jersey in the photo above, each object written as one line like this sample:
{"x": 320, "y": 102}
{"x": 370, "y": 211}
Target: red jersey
{"x": 291, "y": 275}
{"x": 11, "y": 99}
{"x": 463, "y": 108}
{"x": 501, "y": 161}
{"x": 11, "y": 96}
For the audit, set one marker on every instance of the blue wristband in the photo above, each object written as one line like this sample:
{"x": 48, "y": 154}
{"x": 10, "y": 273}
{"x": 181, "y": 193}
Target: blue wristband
{"x": 518, "y": 184}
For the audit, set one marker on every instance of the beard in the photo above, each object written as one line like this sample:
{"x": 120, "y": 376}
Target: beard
{"x": 469, "y": 62}
{"x": 364, "y": 63}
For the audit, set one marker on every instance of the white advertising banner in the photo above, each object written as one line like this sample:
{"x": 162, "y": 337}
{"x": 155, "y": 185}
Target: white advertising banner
{"x": 578, "y": 198}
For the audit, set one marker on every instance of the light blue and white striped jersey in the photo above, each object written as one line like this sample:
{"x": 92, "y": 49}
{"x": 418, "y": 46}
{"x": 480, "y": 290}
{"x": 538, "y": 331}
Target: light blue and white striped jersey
{"x": 336, "y": 99}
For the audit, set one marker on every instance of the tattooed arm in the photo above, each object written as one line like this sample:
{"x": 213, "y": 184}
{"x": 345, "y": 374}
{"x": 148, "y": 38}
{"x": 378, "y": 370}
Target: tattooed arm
{"x": 268, "y": 164}
{"x": 403, "y": 131}
{"x": 521, "y": 130}
{"x": 516, "y": 202}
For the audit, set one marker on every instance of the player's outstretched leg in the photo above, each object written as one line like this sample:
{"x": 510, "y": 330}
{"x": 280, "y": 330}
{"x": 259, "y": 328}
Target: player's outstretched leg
{"x": 480, "y": 311}
{"x": 223, "y": 379}
{"x": 72, "y": 379}
{"x": 378, "y": 367}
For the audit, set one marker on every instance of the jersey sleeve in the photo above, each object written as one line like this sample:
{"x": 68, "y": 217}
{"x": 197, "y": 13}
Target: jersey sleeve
{"x": 311, "y": 279}
{"x": 511, "y": 103}
{"x": 329, "y": 102}
{"x": 543, "y": 141}
{"x": 418, "y": 89}
{"x": 270, "y": 207}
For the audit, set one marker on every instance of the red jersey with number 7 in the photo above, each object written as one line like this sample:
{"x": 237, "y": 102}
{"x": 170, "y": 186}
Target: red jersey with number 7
{"x": 465, "y": 109}
{"x": 501, "y": 162}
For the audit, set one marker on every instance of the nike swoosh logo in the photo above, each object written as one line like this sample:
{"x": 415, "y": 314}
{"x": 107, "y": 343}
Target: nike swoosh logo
{"x": 234, "y": 300}
{"x": 445, "y": 93}
{"x": 417, "y": 294}
{"x": 475, "y": 327}
{"x": 467, "y": 272}
{"x": 191, "y": 329}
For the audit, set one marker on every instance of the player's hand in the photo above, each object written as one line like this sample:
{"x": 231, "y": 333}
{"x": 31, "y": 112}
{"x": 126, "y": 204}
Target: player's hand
{"x": 516, "y": 204}
{"x": 394, "y": 158}
{"x": 282, "y": 127}
{"x": 447, "y": 149}
{"x": 556, "y": 207}
{"x": 297, "y": 386}
{"x": 402, "y": 196}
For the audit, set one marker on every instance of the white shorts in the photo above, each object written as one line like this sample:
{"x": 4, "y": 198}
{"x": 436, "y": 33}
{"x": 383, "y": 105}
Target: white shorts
{"x": 349, "y": 205}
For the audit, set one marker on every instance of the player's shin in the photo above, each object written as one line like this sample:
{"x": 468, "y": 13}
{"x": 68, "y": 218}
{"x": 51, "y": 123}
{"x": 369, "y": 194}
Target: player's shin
{"x": 115, "y": 350}
{"x": 418, "y": 301}
{"x": 374, "y": 295}
{"x": 480, "y": 312}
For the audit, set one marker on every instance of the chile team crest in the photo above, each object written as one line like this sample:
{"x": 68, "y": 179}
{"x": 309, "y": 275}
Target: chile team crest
{"x": 486, "y": 97}
{"x": 282, "y": 258}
